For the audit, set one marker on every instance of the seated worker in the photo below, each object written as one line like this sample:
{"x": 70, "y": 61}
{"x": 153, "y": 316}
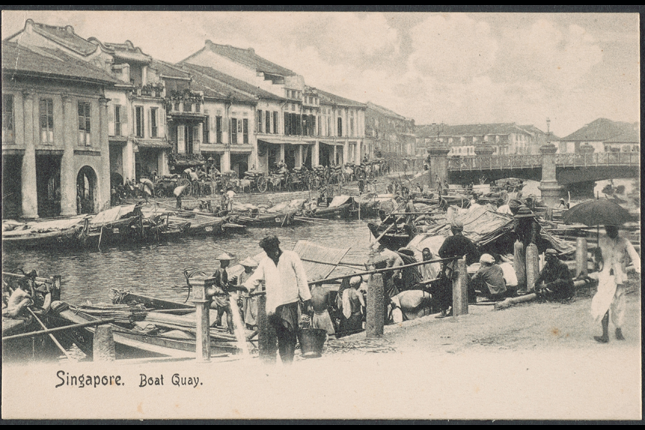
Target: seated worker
{"x": 352, "y": 307}
{"x": 410, "y": 305}
{"x": 503, "y": 208}
{"x": 321, "y": 303}
{"x": 18, "y": 301}
{"x": 489, "y": 279}
{"x": 554, "y": 281}
{"x": 562, "y": 205}
{"x": 385, "y": 258}
{"x": 429, "y": 271}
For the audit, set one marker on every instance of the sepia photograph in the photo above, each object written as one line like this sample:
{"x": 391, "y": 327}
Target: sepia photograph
{"x": 314, "y": 215}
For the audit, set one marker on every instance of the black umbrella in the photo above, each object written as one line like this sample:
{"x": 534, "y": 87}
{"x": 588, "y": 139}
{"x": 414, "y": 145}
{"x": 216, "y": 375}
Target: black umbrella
{"x": 597, "y": 213}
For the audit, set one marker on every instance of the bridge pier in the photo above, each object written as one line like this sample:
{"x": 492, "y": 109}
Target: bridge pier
{"x": 549, "y": 187}
{"x": 438, "y": 164}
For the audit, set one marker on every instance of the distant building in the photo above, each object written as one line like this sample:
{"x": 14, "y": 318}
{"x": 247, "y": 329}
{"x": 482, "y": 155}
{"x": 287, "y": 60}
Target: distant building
{"x": 55, "y": 149}
{"x": 605, "y": 136}
{"x": 390, "y": 134}
{"x": 504, "y": 138}
{"x": 294, "y": 123}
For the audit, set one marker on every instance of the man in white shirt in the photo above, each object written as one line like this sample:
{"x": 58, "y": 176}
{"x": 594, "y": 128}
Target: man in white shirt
{"x": 611, "y": 289}
{"x": 286, "y": 284}
{"x": 229, "y": 198}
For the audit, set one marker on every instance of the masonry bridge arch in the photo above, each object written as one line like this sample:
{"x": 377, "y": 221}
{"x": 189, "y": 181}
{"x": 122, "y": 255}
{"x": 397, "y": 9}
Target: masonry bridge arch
{"x": 556, "y": 172}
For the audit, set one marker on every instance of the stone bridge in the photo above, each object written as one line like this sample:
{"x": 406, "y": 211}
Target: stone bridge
{"x": 554, "y": 171}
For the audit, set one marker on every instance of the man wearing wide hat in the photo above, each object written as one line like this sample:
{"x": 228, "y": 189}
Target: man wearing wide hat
{"x": 250, "y": 307}
{"x": 220, "y": 289}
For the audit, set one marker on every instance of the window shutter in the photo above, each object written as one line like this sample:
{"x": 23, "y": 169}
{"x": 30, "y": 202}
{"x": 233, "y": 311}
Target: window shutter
{"x": 161, "y": 131}
{"x": 181, "y": 139}
{"x": 149, "y": 128}
{"x": 111, "y": 120}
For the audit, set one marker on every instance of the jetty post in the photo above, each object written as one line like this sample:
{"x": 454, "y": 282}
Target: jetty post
{"x": 519, "y": 264}
{"x": 56, "y": 281}
{"x": 267, "y": 354}
{"x": 375, "y": 318}
{"x": 581, "y": 257}
{"x": 532, "y": 266}
{"x": 460, "y": 289}
{"x": 202, "y": 305}
{"x": 103, "y": 348}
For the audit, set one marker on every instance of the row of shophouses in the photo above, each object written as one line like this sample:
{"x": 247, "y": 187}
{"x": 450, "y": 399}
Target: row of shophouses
{"x": 81, "y": 115}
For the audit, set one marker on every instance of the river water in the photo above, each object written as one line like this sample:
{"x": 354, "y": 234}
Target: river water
{"x": 153, "y": 270}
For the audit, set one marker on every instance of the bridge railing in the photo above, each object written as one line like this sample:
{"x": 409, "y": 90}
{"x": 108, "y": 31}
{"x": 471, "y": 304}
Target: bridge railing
{"x": 598, "y": 159}
{"x": 508, "y": 162}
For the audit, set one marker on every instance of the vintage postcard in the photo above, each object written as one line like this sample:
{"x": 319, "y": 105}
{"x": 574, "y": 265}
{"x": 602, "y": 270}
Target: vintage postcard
{"x": 321, "y": 215}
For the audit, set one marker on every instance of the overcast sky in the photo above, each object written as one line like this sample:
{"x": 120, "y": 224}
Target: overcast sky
{"x": 456, "y": 68}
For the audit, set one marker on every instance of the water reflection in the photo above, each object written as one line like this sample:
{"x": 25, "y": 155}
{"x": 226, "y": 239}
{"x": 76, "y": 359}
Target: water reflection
{"x": 154, "y": 269}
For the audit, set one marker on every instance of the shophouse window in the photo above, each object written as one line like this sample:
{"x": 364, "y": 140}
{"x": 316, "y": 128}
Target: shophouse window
{"x": 188, "y": 107}
{"x": 258, "y": 122}
{"x": 233, "y": 130}
{"x": 351, "y": 126}
{"x": 154, "y": 129}
{"x": 206, "y": 128}
{"x": 340, "y": 127}
{"x": 7, "y": 118}
{"x": 268, "y": 122}
{"x": 138, "y": 112}
{"x": 84, "y": 124}
{"x": 176, "y": 106}
{"x": 46, "y": 120}
{"x": 275, "y": 122}
{"x": 245, "y": 130}
{"x": 198, "y": 107}
{"x": 218, "y": 129}
{"x": 117, "y": 120}
{"x": 287, "y": 123}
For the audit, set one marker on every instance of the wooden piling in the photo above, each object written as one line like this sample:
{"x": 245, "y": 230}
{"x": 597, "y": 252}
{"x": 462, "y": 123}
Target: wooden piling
{"x": 549, "y": 214}
{"x": 460, "y": 290}
{"x": 56, "y": 281}
{"x": 375, "y": 318}
{"x": 581, "y": 256}
{"x": 202, "y": 315}
{"x": 266, "y": 352}
{"x": 519, "y": 264}
{"x": 532, "y": 266}
{"x": 103, "y": 348}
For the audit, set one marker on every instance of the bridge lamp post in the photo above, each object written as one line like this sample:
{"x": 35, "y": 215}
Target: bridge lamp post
{"x": 549, "y": 187}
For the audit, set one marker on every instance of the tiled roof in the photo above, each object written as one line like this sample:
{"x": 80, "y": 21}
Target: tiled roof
{"x": 214, "y": 76}
{"x": 17, "y": 59}
{"x": 169, "y": 70}
{"x": 601, "y": 130}
{"x": 333, "y": 99}
{"x": 630, "y": 136}
{"x": 64, "y": 36}
{"x": 216, "y": 90}
{"x": 126, "y": 51}
{"x": 385, "y": 111}
{"x": 248, "y": 58}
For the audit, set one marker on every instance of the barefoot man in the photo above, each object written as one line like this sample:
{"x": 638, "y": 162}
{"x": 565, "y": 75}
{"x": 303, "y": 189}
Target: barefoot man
{"x": 611, "y": 289}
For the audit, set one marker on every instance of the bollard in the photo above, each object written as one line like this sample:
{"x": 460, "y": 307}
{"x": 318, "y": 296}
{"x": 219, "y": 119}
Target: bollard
{"x": 202, "y": 314}
{"x": 460, "y": 290}
{"x": 376, "y": 304}
{"x": 532, "y": 268}
{"x": 549, "y": 214}
{"x": 266, "y": 352}
{"x": 581, "y": 257}
{"x": 519, "y": 264}
{"x": 56, "y": 281}
{"x": 103, "y": 345}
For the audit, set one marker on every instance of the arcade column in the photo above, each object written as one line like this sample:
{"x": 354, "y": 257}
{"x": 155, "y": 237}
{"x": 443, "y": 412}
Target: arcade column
{"x": 551, "y": 191}
{"x": 438, "y": 164}
{"x": 67, "y": 170}
{"x": 226, "y": 158}
{"x": 104, "y": 180}
{"x": 28, "y": 173}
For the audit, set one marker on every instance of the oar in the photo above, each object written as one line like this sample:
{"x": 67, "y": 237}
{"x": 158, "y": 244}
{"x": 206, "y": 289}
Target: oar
{"x": 386, "y": 230}
{"x": 57, "y": 329}
{"x": 69, "y": 357}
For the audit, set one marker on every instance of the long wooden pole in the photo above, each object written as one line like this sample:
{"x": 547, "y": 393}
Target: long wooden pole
{"x": 57, "y": 329}
{"x": 50, "y": 335}
{"x": 20, "y": 276}
{"x": 387, "y": 269}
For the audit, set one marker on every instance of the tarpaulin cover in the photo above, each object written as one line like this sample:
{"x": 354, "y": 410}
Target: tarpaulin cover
{"x": 328, "y": 259}
{"x": 112, "y": 214}
{"x": 43, "y": 227}
{"x": 339, "y": 201}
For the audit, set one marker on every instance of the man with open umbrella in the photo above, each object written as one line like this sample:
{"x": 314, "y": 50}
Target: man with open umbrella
{"x": 611, "y": 289}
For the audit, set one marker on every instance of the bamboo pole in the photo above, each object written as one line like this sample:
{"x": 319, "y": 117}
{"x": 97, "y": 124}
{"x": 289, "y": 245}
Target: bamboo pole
{"x": 57, "y": 329}
{"x": 387, "y": 269}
